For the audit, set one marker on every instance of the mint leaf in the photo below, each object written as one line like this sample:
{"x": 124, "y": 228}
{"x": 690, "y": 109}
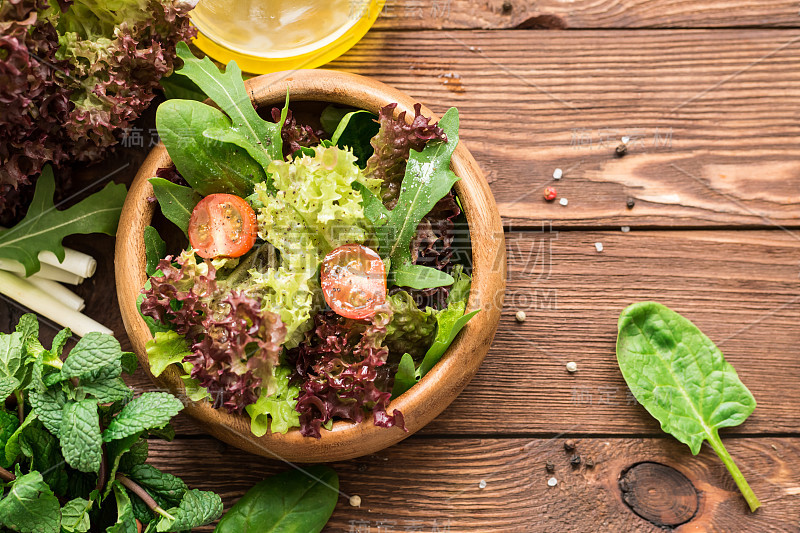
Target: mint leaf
{"x": 7, "y": 386}
{"x": 126, "y": 522}
{"x": 148, "y": 411}
{"x": 170, "y": 488}
{"x": 154, "y": 247}
{"x": 197, "y": 508}
{"x": 12, "y": 352}
{"x": 28, "y": 327}
{"x": 90, "y": 355}
{"x": 115, "y": 451}
{"x": 80, "y": 435}
{"x": 136, "y": 455}
{"x": 44, "y": 226}
{"x": 129, "y": 363}
{"x": 9, "y": 422}
{"x": 164, "y": 349}
{"x": 12, "y": 448}
{"x": 683, "y": 380}
{"x": 176, "y": 202}
{"x": 44, "y": 452}
{"x": 210, "y": 166}
{"x": 75, "y": 516}
{"x": 428, "y": 179}
{"x": 30, "y": 506}
{"x": 228, "y": 92}
{"x": 106, "y": 390}
{"x": 48, "y": 407}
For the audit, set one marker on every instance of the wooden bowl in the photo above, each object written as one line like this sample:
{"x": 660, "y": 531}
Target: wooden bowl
{"x": 423, "y": 402}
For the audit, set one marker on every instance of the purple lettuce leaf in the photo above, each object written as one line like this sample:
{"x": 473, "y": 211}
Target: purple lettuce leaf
{"x": 294, "y": 135}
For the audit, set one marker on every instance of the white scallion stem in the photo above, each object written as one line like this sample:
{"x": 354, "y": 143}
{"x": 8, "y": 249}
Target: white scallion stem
{"x": 78, "y": 263}
{"x": 46, "y": 272}
{"x": 59, "y": 292}
{"x": 38, "y": 301}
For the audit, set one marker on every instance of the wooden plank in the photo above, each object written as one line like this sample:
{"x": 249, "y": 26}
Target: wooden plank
{"x": 414, "y": 486}
{"x": 584, "y": 14}
{"x": 739, "y": 287}
{"x": 709, "y": 114}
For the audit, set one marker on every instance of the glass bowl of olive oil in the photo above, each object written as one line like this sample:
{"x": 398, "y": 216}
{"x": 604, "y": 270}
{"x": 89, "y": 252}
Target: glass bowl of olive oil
{"x": 265, "y": 36}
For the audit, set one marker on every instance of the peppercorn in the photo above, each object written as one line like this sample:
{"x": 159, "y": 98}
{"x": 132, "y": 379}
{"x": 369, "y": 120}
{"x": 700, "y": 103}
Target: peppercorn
{"x": 550, "y": 193}
{"x": 630, "y": 203}
{"x": 507, "y": 6}
{"x": 621, "y": 150}
{"x": 589, "y": 462}
{"x": 550, "y": 467}
{"x": 569, "y": 445}
{"x": 575, "y": 461}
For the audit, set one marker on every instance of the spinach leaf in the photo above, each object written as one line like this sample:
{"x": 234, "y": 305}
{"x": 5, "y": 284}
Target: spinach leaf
{"x": 44, "y": 226}
{"x": 228, "y": 92}
{"x": 210, "y": 166}
{"x": 290, "y": 502}
{"x": 683, "y": 380}
{"x": 176, "y": 201}
{"x": 427, "y": 179}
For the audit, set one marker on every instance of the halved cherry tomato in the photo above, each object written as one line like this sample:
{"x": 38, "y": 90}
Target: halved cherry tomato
{"x": 222, "y": 225}
{"x": 353, "y": 280}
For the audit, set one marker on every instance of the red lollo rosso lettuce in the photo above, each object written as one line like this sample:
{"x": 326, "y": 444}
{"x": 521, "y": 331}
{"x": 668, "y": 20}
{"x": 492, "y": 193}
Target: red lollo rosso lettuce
{"x": 341, "y": 369}
{"x": 294, "y": 135}
{"x": 234, "y": 343}
{"x": 74, "y": 77}
{"x": 392, "y": 145}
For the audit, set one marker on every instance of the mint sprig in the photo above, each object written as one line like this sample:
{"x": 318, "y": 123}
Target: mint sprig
{"x": 77, "y": 437}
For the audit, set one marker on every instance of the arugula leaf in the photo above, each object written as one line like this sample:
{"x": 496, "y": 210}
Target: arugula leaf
{"x": 92, "y": 353}
{"x": 428, "y": 178}
{"x": 48, "y": 407}
{"x": 44, "y": 226}
{"x": 170, "y": 488}
{"x": 148, "y": 411}
{"x": 683, "y": 380}
{"x": 210, "y": 166}
{"x": 290, "y": 502}
{"x": 176, "y": 202}
{"x": 30, "y": 506}
{"x": 164, "y": 349}
{"x": 75, "y": 516}
{"x": 154, "y": 249}
{"x": 228, "y": 92}
{"x": 80, "y": 435}
{"x": 449, "y": 322}
{"x": 197, "y": 507}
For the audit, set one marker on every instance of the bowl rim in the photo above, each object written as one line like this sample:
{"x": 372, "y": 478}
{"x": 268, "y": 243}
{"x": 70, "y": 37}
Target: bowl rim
{"x": 444, "y": 381}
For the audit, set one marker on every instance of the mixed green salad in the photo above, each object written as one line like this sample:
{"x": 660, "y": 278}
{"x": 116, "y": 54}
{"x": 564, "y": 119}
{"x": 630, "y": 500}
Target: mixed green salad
{"x": 321, "y": 277}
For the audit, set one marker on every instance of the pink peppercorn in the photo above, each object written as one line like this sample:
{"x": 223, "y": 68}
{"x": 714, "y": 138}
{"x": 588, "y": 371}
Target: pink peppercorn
{"x": 550, "y": 193}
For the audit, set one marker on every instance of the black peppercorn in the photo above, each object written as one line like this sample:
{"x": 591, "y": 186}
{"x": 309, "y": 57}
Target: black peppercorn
{"x": 630, "y": 203}
{"x": 569, "y": 445}
{"x": 550, "y": 467}
{"x": 507, "y": 7}
{"x": 575, "y": 461}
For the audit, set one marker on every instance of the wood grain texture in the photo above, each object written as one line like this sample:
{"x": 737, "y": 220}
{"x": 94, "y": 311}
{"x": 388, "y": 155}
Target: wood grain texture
{"x": 585, "y": 14}
{"x": 740, "y": 287}
{"x": 712, "y": 117}
{"x": 427, "y": 485}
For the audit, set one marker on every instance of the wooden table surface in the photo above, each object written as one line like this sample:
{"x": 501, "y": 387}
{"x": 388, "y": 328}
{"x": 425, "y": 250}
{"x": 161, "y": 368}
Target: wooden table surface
{"x": 709, "y": 94}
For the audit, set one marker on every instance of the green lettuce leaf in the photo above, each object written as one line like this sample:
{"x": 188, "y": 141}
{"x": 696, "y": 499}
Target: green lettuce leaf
{"x": 44, "y": 226}
{"x": 164, "y": 349}
{"x": 277, "y": 407}
{"x": 427, "y": 179}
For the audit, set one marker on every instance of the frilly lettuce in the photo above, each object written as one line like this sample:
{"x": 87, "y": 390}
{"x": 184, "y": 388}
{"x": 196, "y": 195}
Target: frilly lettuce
{"x": 278, "y": 406}
{"x": 314, "y": 211}
{"x": 411, "y": 329}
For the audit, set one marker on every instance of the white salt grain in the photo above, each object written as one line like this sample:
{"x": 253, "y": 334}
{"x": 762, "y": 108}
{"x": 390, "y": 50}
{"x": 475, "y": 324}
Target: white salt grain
{"x": 563, "y": 201}
{"x": 552, "y": 482}
{"x": 626, "y": 140}
{"x": 482, "y": 484}
{"x": 625, "y": 229}
{"x": 598, "y": 246}
{"x": 557, "y": 173}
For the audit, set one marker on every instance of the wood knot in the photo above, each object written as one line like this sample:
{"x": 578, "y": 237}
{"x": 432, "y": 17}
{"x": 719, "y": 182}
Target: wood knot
{"x": 659, "y": 494}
